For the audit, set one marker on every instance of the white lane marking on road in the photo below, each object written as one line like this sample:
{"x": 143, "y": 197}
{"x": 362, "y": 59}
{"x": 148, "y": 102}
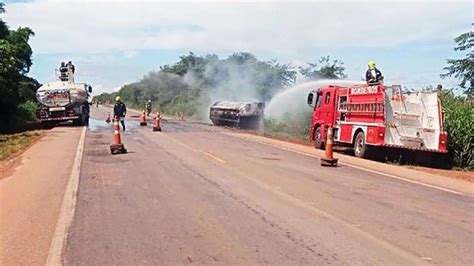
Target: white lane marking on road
{"x": 67, "y": 207}
{"x": 213, "y": 156}
{"x": 361, "y": 168}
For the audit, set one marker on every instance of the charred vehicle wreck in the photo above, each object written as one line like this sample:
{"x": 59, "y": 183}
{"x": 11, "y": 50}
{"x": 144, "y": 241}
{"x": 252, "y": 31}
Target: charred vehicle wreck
{"x": 246, "y": 115}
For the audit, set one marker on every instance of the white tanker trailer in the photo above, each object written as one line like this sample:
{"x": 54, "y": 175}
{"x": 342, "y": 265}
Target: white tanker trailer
{"x": 64, "y": 100}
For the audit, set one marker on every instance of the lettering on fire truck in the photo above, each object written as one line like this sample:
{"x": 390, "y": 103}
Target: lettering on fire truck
{"x": 364, "y": 90}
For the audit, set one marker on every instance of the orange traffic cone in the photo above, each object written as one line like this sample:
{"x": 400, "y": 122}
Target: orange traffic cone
{"x": 143, "y": 119}
{"x": 108, "y": 118}
{"x": 157, "y": 126}
{"x": 328, "y": 159}
{"x": 117, "y": 147}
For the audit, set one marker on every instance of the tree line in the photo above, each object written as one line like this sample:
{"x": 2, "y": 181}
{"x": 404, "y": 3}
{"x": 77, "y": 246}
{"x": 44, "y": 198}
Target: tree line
{"x": 17, "y": 90}
{"x": 181, "y": 86}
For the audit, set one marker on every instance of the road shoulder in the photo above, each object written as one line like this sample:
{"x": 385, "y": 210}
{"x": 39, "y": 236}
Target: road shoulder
{"x": 394, "y": 171}
{"x": 31, "y": 197}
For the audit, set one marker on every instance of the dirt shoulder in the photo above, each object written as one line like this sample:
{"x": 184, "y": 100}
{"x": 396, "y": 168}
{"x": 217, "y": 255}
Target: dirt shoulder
{"x": 31, "y": 193}
{"x": 451, "y": 180}
{"x": 457, "y": 174}
{"x": 13, "y": 145}
{"x": 450, "y": 173}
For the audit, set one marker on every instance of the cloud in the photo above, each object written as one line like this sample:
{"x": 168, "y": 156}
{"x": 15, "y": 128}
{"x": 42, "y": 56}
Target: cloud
{"x": 115, "y": 42}
{"x": 276, "y": 27}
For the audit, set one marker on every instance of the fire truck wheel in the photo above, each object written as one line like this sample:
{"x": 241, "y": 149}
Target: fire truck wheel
{"x": 360, "y": 149}
{"x": 318, "y": 142}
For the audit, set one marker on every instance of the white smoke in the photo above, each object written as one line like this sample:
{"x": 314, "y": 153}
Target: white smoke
{"x": 293, "y": 99}
{"x": 228, "y": 81}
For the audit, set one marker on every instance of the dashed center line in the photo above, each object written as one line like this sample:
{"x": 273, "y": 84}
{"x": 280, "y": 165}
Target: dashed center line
{"x": 213, "y": 156}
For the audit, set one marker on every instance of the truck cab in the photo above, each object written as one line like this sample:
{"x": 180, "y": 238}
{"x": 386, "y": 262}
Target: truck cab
{"x": 323, "y": 102}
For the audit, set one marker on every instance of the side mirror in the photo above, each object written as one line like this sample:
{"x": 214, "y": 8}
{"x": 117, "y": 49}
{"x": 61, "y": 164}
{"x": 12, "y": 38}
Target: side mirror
{"x": 90, "y": 89}
{"x": 310, "y": 99}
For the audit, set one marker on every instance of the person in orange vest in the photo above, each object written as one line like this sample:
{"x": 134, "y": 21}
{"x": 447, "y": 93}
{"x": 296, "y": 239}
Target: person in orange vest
{"x": 373, "y": 75}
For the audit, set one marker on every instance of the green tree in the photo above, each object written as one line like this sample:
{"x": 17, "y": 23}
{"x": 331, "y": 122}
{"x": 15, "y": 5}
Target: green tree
{"x": 325, "y": 68}
{"x": 15, "y": 62}
{"x": 187, "y": 63}
{"x": 271, "y": 77}
{"x": 243, "y": 71}
{"x": 463, "y": 69}
{"x": 3, "y": 25}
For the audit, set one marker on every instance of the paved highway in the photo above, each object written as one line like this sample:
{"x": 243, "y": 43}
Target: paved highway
{"x": 197, "y": 194}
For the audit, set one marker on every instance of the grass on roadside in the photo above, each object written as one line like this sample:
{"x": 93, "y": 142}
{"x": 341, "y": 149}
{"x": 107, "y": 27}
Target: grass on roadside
{"x": 13, "y": 143}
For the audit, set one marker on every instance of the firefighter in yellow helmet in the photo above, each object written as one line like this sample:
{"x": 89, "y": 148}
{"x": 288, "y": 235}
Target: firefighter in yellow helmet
{"x": 120, "y": 110}
{"x": 373, "y": 75}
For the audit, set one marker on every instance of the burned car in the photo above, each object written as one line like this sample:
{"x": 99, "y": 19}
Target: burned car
{"x": 246, "y": 115}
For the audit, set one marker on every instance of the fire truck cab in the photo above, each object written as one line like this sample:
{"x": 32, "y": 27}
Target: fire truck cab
{"x": 366, "y": 116}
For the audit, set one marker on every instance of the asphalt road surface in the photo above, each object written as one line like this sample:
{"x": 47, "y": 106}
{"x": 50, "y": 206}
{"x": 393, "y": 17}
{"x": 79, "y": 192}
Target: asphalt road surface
{"x": 198, "y": 194}
{"x": 193, "y": 194}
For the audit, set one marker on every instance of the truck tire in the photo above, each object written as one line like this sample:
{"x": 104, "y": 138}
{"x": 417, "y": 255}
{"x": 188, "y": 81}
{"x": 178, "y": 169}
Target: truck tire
{"x": 361, "y": 150}
{"x": 318, "y": 142}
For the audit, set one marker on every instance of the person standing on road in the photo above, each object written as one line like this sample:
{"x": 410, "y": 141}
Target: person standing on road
{"x": 148, "y": 107}
{"x": 120, "y": 110}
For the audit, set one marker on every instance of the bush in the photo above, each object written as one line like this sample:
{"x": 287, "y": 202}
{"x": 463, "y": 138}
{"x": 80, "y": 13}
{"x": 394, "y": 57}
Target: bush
{"x": 27, "y": 111}
{"x": 290, "y": 125}
{"x": 459, "y": 124}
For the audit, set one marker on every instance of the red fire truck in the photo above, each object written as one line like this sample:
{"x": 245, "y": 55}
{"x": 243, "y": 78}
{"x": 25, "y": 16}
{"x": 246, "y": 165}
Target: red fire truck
{"x": 367, "y": 116}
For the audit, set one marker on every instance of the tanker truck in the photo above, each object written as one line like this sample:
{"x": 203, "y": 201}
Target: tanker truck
{"x": 64, "y": 100}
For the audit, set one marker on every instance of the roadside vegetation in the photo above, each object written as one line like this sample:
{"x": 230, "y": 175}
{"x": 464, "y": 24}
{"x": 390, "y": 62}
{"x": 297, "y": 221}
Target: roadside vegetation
{"x": 297, "y": 125}
{"x": 12, "y": 143}
{"x": 17, "y": 90}
{"x": 191, "y": 85}
{"x": 459, "y": 124}
{"x": 459, "y": 108}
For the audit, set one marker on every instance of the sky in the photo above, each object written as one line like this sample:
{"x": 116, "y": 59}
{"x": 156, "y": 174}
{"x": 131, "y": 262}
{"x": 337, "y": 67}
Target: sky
{"x": 117, "y": 42}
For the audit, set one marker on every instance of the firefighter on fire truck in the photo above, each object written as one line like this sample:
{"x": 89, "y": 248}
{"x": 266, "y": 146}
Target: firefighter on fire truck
{"x": 373, "y": 75}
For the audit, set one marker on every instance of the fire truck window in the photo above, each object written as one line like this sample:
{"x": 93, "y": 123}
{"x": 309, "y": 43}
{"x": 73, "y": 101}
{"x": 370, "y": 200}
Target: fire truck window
{"x": 328, "y": 97}
{"x": 319, "y": 100}
{"x": 342, "y": 103}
